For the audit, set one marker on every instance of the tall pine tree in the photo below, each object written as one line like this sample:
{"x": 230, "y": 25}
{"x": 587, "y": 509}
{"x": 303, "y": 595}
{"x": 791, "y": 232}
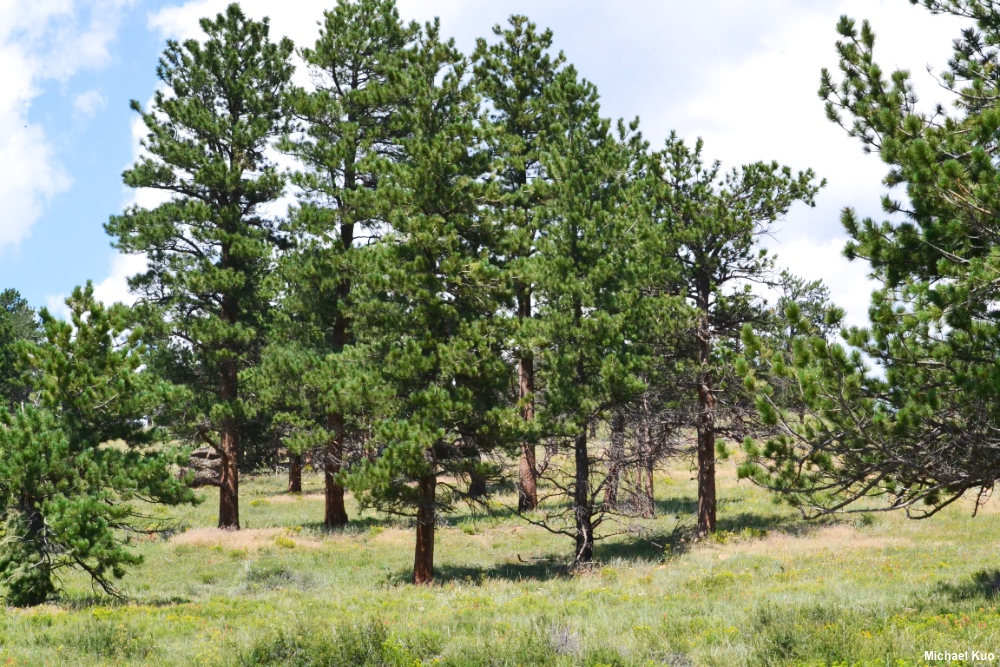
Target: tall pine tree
{"x": 922, "y": 433}
{"x": 435, "y": 329}
{"x": 351, "y": 123}
{"x": 210, "y": 247}
{"x": 586, "y": 275}
{"x": 717, "y": 223}
{"x": 513, "y": 75}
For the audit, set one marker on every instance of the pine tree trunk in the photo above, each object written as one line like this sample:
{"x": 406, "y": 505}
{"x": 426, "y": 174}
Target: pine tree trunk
{"x": 649, "y": 499}
{"x": 527, "y": 472}
{"x": 616, "y": 456}
{"x": 639, "y": 474}
{"x": 581, "y": 501}
{"x": 229, "y": 447}
{"x": 294, "y": 473}
{"x": 477, "y": 485}
{"x": 706, "y": 481}
{"x": 423, "y": 557}
{"x": 336, "y": 512}
{"x": 229, "y": 487}
{"x": 647, "y": 460}
{"x": 706, "y": 421}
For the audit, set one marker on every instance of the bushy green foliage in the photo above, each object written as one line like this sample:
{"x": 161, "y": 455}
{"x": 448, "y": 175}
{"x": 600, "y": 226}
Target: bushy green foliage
{"x": 18, "y": 322}
{"x": 351, "y": 127}
{"x": 433, "y": 325}
{"x": 74, "y": 461}
{"x": 586, "y": 274}
{"x": 713, "y": 223}
{"x": 211, "y": 246}
{"x": 921, "y": 432}
{"x": 514, "y": 75}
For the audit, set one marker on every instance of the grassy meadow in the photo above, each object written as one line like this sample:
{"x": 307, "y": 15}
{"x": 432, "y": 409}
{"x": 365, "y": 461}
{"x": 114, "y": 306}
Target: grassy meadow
{"x": 769, "y": 590}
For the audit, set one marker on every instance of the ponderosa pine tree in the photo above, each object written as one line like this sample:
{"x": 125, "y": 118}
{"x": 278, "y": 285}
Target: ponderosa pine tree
{"x": 350, "y": 124}
{"x": 586, "y": 273}
{"x": 210, "y": 247}
{"x": 433, "y": 323}
{"x": 923, "y": 432}
{"x": 75, "y": 458}
{"x": 716, "y": 223}
{"x": 18, "y": 322}
{"x": 513, "y": 76}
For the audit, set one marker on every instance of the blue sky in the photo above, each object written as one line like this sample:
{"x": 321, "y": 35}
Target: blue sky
{"x": 742, "y": 75}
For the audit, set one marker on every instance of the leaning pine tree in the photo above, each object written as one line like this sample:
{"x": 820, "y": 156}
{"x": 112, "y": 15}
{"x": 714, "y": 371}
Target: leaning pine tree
{"x": 433, "y": 321}
{"x": 210, "y": 246}
{"x": 76, "y": 459}
{"x": 923, "y": 432}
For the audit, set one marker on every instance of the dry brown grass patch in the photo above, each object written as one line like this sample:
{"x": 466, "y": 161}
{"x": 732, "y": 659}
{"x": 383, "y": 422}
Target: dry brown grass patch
{"x": 248, "y": 539}
{"x": 827, "y": 538}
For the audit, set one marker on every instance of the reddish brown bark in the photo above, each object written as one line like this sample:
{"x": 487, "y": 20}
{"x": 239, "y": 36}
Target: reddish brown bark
{"x": 229, "y": 447}
{"x": 229, "y": 488}
{"x": 527, "y": 472}
{"x": 423, "y": 557}
{"x": 336, "y": 512}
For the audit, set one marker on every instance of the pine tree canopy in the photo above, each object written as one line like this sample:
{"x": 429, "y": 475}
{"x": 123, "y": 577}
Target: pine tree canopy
{"x": 435, "y": 326}
{"x": 74, "y": 459}
{"x": 920, "y": 432}
{"x": 211, "y": 246}
{"x": 18, "y": 322}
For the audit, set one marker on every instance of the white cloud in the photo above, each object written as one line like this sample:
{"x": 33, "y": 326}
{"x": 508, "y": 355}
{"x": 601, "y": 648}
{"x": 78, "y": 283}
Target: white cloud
{"x": 812, "y": 259}
{"x": 89, "y": 103}
{"x": 113, "y": 289}
{"x": 764, "y": 106}
{"x": 41, "y": 40}
{"x": 298, "y": 20}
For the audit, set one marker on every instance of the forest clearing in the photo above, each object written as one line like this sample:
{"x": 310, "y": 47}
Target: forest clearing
{"x": 769, "y": 589}
{"x": 426, "y": 360}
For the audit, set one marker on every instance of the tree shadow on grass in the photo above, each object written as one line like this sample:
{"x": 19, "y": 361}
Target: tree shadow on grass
{"x": 983, "y": 585}
{"x": 676, "y": 506}
{"x": 108, "y": 602}
{"x": 311, "y": 494}
{"x": 649, "y": 545}
{"x": 755, "y": 523}
{"x": 648, "y": 548}
{"x": 359, "y": 525}
{"x": 541, "y": 569}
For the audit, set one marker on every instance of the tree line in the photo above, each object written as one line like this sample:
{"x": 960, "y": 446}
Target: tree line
{"x": 478, "y": 268}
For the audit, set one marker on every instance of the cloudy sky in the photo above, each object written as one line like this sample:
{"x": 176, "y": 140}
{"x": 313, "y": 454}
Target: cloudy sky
{"x": 742, "y": 75}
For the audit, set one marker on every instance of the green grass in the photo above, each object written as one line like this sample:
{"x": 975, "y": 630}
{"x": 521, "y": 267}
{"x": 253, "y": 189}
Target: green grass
{"x": 770, "y": 590}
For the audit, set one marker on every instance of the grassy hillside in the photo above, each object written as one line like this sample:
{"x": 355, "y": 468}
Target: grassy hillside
{"x": 770, "y": 590}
